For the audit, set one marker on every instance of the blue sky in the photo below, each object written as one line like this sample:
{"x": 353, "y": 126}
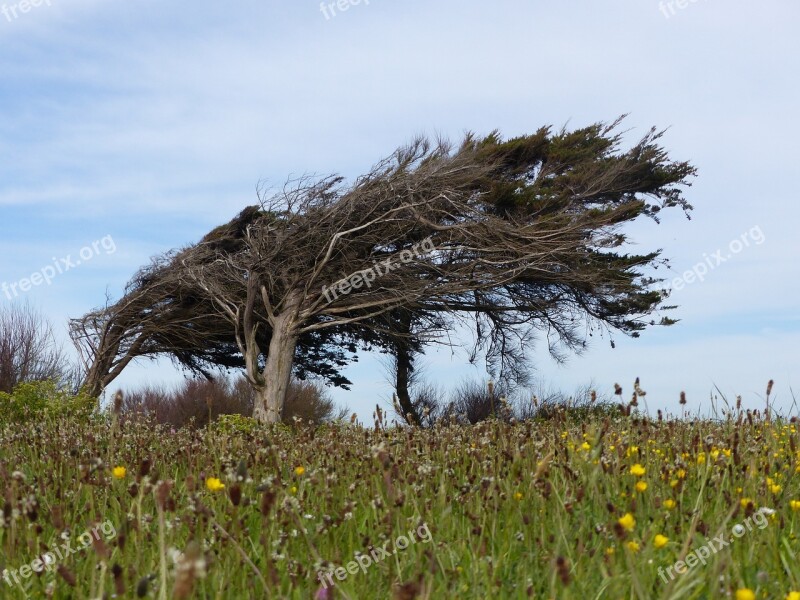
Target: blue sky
{"x": 152, "y": 122}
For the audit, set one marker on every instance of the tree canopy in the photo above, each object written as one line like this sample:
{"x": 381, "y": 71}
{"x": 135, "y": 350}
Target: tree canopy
{"x": 517, "y": 235}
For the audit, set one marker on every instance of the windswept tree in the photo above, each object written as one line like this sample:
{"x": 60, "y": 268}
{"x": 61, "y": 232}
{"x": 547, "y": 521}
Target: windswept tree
{"x": 605, "y": 288}
{"x": 519, "y": 234}
{"x": 429, "y": 230}
{"x": 162, "y": 314}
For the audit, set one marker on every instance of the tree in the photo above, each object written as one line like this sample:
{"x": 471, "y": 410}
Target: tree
{"x": 570, "y": 171}
{"x": 28, "y": 349}
{"x": 310, "y": 261}
{"x": 519, "y": 234}
{"x": 161, "y": 313}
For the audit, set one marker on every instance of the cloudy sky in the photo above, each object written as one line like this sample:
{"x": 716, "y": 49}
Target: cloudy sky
{"x": 138, "y": 126}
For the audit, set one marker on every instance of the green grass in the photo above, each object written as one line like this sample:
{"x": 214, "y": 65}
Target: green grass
{"x": 512, "y": 510}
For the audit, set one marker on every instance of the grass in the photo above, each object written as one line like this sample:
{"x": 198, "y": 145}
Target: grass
{"x": 537, "y": 509}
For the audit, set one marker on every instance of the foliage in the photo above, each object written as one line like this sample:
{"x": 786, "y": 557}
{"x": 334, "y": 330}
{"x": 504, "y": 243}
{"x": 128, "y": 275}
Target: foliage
{"x": 523, "y": 235}
{"x": 536, "y": 509}
{"x": 43, "y": 400}
{"x": 195, "y": 402}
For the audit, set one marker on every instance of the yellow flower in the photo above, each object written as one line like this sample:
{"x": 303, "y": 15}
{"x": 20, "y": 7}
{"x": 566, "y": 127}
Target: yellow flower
{"x": 745, "y": 594}
{"x": 660, "y": 541}
{"x": 627, "y": 521}
{"x": 701, "y": 458}
{"x": 214, "y": 484}
{"x": 631, "y": 450}
{"x": 633, "y": 546}
{"x": 680, "y": 473}
{"x": 586, "y": 446}
{"x": 795, "y": 504}
{"x": 793, "y": 596}
{"x": 637, "y": 470}
{"x": 775, "y": 488}
{"x": 669, "y": 503}
{"x": 299, "y": 470}
{"x": 744, "y": 502}
{"x": 119, "y": 472}
{"x": 609, "y": 550}
{"x": 293, "y": 489}
{"x": 727, "y": 453}
{"x": 641, "y": 486}
{"x": 517, "y": 495}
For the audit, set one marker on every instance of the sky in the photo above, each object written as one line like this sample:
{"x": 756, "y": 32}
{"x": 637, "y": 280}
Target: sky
{"x": 131, "y": 128}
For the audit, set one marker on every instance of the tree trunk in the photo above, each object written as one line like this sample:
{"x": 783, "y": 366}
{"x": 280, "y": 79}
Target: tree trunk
{"x": 404, "y": 362}
{"x": 277, "y": 371}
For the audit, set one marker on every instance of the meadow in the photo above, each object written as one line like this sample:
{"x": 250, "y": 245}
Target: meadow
{"x": 573, "y": 506}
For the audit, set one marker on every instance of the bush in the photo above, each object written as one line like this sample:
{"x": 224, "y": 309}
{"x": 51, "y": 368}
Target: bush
{"x": 236, "y": 425}
{"x": 476, "y": 401}
{"x": 39, "y": 400}
{"x": 582, "y": 404}
{"x": 28, "y": 349}
{"x": 196, "y": 402}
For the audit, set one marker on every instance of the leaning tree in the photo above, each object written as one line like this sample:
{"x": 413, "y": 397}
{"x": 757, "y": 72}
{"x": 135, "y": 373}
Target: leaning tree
{"x": 520, "y": 234}
{"x": 326, "y": 256}
{"x": 162, "y": 314}
{"x": 548, "y": 173}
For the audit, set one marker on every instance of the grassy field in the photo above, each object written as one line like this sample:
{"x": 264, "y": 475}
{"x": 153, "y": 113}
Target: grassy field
{"x": 603, "y": 507}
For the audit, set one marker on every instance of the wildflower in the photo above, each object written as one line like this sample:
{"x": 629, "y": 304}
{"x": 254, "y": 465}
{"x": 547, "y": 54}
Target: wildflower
{"x": 586, "y": 446}
{"x": 793, "y": 596}
{"x": 637, "y": 470}
{"x": 631, "y": 450}
{"x": 627, "y": 521}
{"x": 775, "y": 488}
{"x": 669, "y": 503}
{"x": 609, "y": 550}
{"x": 701, "y": 458}
{"x": 744, "y": 502}
{"x": 633, "y": 546}
{"x": 680, "y": 473}
{"x": 293, "y": 489}
{"x": 745, "y": 594}
{"x": 517, "y": 495}
{"x": 795, "y": 505}
{"x": 641, "y": 486}
{"x": 119, "y": 472}
{"x": 299, "y": 470}
{"x": 214, "y": 485}
{"x": 660, "y": 541}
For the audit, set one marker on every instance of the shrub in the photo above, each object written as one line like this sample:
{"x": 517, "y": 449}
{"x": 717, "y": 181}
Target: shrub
{"x": 196, "y": 402}
{"x": 477, "y": 401}
{"x": 43, "y": 400}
